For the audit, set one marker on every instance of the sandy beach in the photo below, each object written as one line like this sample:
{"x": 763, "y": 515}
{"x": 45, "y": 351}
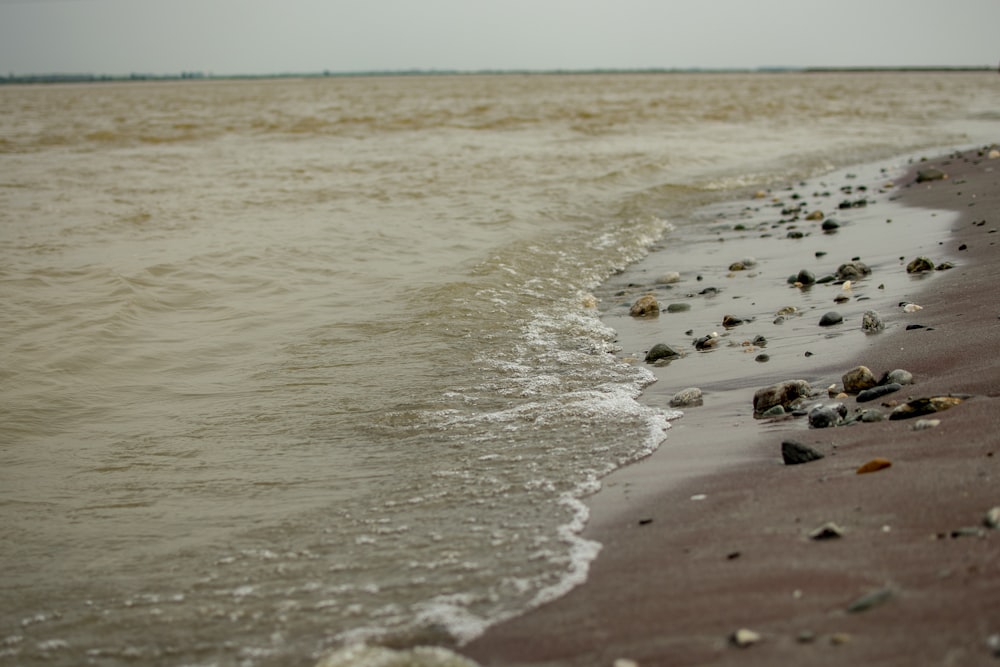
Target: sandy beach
{"x": 715, "y": 534}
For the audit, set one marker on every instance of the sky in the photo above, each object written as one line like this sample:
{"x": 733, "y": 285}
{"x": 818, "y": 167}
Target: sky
{"x": 225, "y": 37}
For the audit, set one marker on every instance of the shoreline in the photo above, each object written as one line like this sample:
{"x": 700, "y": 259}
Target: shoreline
{"x": 709, "y": 535}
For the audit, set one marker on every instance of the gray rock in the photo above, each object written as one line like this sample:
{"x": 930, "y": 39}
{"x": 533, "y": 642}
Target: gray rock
{"x": 853, "y": 270}
{"x": 871, "y": 416}
{"x": 678, "y": 307}
{"x": 898, "y": 376}
{"x": 669, "y": 278}
{"x": 930, "y": 174}
{"x": 783, "y": 394}
{"x": 827, "y": 416}
{"x": 805, "y": 277}
{"x": 871, "y": 322}
{"x": 878, "y": 392}
{"x": 866, "y": 602}
{"x": 992, "y": 518}
{"x": 687, "y": 398}
{"x": 661, "y": 351}
{"x": 831, "y": 318}
{"x": 858, "y": 379}
{"x": 795, "y": 453}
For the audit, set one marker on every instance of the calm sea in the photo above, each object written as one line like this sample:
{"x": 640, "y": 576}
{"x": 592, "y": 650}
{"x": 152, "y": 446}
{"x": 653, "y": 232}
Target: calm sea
{"x": 291, "y": 364}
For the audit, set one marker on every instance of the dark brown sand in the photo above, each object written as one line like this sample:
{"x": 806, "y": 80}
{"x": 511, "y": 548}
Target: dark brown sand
{"x": 710, "y": 534}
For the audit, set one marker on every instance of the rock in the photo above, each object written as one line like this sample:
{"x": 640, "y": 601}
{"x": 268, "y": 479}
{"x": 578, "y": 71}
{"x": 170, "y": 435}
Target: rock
{"x": 926, "y": 424}
{"x": 729, "y": 321}
{"x": 827, "y": 416}
{"x": 762, "y": 358}
{"x": 874, "y": 465}
{"x": 830, "y": 319}
{"x": 871, "y": 322}
{"x": 744, "y": 638}
{"x": 858, "y": 379}
{"x": 925, "y": 175}
{"x": 707, "y": 342}
{"x": 815, "y": 215}
{"x": 925, "y": 406}
{"x": 992, "y": 518}
{"x": 686, "y": 398}
{"x": 645, "y": 306}
{"x": 827, "y": 531}
{"x": 830, "y": 226}
{"x": 805, "y": 277}
{"x": 669, "y": 278}
{"x": 872, "y": 416}
{"x": 737, "y": 266}
{"x": 625, "y": 662}
{"x": 678, "y": 307}
{"x": 869, "y": 600}
{"x": 944, "y": 266}
{"x": 919, "y": 265}
{"x": 911, "y": 307}
{"x": 775, "y": 411}
{"x": 853, "y": 270}
{"x": 878, "y": 392}
{"x": 661, "y": 351}
{"x": 783, "y": 394}
{"x": 796, "y": 453}
{"x": 898, "y": 376}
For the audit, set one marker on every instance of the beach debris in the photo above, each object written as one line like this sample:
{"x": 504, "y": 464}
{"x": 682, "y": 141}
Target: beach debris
{"x": 925, "y": 406}
{"x": 669, "y": 278}
{"x": 826, "y": 416}
{"x": 686, "y": 398}
{"x": 853, "y": 270}
{"x": 871, "y": 322}
{"x": 828, "y": 531}
{"x": 659, "y": 352}
{"x": 874, "y": 465}
{"x": 858, "y": 379}
{"x": 931, "y": 174}
{"x": 869, "y": 600}
{"x": 794, "y": 452}
{"x": 926, "y": 424}
{"x": 911, "y": 307}
{"x": 783, "y": 394}
{"x": 707, "y": 342}
{"x": 831, "y": 318}
{"x": 744, "y": 638}
{"x": 920, "y": 265}
{"x": 878, "y": 392}
{"x": 992, "y": 518}
{"x": 645, "y": 306}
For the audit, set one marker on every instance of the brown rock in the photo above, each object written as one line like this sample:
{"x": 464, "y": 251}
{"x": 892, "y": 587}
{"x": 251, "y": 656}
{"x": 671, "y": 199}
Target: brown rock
{"x": 645, "y": 306}
{"x": 858, "y": 379}
{"x": 783, "y": 394}
{"x": 874, "y": 465}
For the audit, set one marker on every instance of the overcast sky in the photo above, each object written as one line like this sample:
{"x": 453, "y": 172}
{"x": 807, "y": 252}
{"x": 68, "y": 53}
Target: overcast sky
{"x": 279, "y": 36}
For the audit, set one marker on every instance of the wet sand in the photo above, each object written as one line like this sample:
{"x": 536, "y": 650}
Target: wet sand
{"x": 710, "y": 534}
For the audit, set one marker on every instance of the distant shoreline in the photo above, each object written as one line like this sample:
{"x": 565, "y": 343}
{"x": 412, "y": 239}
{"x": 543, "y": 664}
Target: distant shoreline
{"x": 200, "y": 76}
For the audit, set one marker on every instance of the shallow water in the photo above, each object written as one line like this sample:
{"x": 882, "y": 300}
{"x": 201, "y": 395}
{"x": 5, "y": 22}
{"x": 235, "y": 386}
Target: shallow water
{"x": 290, "y": 364}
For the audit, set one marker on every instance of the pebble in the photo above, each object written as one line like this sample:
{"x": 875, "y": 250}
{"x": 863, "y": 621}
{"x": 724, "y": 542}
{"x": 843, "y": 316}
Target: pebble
{"x": 805, "y": 277}
{"x": 926, "y": 424}
{"x": 669, "y": 278}
{"x": 871, "y": 322}
{"x": 827, "y": 416}
{"x": 911, "y": 307}
{"x": 707, "y": 342}
{"x": 831, "y": 318}
{"x": 858, "y": 379}
{"x": 866, "y": 602}
{"x": 920, "y": 265}
{"x": 794, "y": 452}
{"x": 925, "y": 406}
{"x": 625, "y": 662}
{"x": 871, "y": 416}
{"x": 661, "y": 351}
{"x": 678, "y": 307}
{"x": 815, "y": 215}
{"x": 853, "y": 270}
{"x": 931, "y": 174}
{"x": 686, "y": 398}
{"x": 874, "y": 465}
{"x": 729, "y": 321}
{"x": 830, "y": 226}
{"x": 645, "y": 306}
{"x": 783, "y": 395}
{"x": 744, "y": 638}
{"x": 992, "y": 518}
{"x": 899, "y": 376}
{"x": 878, "y": 392}
{"x": 827, "y": 531}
